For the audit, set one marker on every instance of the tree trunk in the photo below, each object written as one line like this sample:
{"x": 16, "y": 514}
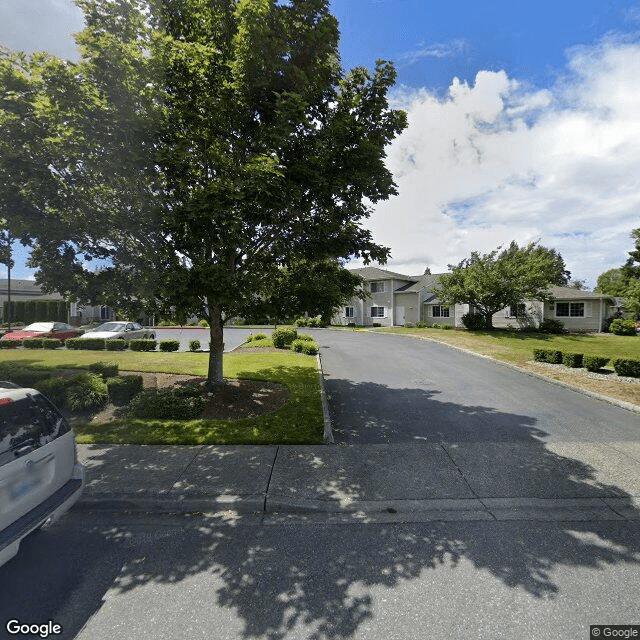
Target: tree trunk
{"x": 488, "y": 321}
{"x": 216, "y": 347}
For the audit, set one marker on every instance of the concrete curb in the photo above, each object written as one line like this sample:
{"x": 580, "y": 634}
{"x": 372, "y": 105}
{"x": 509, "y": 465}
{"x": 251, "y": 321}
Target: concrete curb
{"x": 593, "y": 394}
{"x": 328, "y": 431}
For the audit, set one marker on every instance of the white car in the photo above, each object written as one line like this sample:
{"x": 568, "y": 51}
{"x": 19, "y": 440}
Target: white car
{"x": 40, "y": 476}
{"x": 121, "y": 330}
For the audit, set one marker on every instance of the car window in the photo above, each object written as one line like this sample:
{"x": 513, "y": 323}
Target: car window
{"x": 130, "y": 326}
{"x": 137, "y": 326}
{"x": 29, "y": 421}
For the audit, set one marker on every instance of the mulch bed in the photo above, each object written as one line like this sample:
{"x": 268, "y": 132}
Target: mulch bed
{"x": 235, "y": 400}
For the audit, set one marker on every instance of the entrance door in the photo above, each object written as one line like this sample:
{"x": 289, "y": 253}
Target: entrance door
{"x": 399, "y": 315}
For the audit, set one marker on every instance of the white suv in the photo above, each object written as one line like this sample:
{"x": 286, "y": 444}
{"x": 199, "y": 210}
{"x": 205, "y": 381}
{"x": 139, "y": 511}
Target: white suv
{"x": 40, "y": 476}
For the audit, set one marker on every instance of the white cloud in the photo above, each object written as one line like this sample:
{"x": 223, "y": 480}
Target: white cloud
{"x": 434, "y": 50}
{"x": 498, "y": 161}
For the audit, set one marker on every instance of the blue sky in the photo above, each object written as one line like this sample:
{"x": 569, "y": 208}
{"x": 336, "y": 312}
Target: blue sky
{"x": 524, "y": 121}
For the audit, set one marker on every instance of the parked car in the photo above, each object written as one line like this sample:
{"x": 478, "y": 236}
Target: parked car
{"x": 40, "y": 476}
{"x": 122, "y": 330}
{"x": 60, "y": 330}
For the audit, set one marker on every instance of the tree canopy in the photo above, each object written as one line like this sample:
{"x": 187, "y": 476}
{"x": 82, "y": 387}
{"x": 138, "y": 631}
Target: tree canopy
{"x": 198, "y": 148}
{"x": 504, "y": 277}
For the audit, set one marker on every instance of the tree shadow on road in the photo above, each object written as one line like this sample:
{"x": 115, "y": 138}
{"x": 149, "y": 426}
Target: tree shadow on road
{"x": 304, "y": 579}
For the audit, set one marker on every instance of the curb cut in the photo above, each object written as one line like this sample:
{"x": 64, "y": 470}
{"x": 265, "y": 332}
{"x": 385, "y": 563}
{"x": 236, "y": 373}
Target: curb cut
{"x": 634, "y": 408}
{"x": 328, "y": 431}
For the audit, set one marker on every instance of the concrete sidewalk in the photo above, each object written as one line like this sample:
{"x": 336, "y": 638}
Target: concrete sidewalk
{"x": 398, "y": 482}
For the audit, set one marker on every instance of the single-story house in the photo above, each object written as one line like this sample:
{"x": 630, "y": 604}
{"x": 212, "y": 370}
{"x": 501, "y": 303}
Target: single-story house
{"x": 24, "y": 290}
{"x": 395, "y": 299}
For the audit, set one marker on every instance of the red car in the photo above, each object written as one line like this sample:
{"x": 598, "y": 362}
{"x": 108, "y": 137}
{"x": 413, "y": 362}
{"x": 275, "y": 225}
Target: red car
{"x": 60, "y": 330}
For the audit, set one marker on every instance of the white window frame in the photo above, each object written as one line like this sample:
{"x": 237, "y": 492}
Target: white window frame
{"x": 572, "y": 310}
{"x": 349, "y": 312}
{"x": 377, "y": 286}
{"x": 382, "y": 309}
{"x": 443, "y": 311}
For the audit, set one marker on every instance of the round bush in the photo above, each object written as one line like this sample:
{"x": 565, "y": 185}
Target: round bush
{"x": 551, "y": 326}
{"x": 283, "y": 337}
{"x": 473, "y": 321}
{"x": 104, "y": 369}
{"x": 621, "y": 327}
{"x": 194, "y": 345}
{"x": 122, "y": 389}
{"x": 169, "y": 345}
{"x": 86, "y": 392}
{"x": 142, "y": 345}
{"x": 166, "y": 404}
{"x": 203, "y": 323}
{"x": 304, "y": 336}
{"x": 310, "y": 348}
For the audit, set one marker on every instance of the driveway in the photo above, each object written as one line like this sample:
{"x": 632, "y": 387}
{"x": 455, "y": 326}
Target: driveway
{"x": 392, "y": 389}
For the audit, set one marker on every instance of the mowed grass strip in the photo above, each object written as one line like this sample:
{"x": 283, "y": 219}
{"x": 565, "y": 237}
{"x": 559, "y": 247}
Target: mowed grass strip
{"x": 517, "y": 348}
{"x": 300, "y": 421}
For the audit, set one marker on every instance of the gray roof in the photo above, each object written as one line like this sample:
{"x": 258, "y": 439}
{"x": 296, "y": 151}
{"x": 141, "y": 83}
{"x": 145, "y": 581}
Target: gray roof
{"x": 374, "y": 273}
{"x": 569, "y": 293}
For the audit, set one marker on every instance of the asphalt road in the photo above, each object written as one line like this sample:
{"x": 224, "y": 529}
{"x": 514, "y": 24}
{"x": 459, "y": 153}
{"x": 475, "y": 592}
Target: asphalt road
{"x": 105, "y": 576}
{"x": 233, "y": 336}
{"x": 388, "y": 389}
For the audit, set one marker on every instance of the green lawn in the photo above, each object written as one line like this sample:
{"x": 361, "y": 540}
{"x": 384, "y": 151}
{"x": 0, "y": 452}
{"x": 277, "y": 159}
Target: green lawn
{"x": 517, "y": 348}
{"x": 298, "y": 422}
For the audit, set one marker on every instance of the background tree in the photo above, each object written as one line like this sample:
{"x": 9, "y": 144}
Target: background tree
{"x": 316, "y": 288}
{"x": 203, "y": 146}
{"x": 503, "y": 278}
{"x": 612, "y": 282}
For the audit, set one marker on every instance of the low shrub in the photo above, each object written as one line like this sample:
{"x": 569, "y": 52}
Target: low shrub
{"x": 310, "y": 348}
{"x": 89, "y": 344}
{"x": 473, "y": 321}
{"x": 627, "y": 367}
{"x": 116, "y": 345}
{"x": 283, "y": 337}
{"x": 10, "y": 344}
{"x": 23, "y": 376}
{"x": 296, "y": 345}
{"x": 573, "y": 360}
{"x": 32, "y": 343}
{"x": 316, "y": 322}
{"x": 203, "y": 323}
{"x": 86, "y": 392}
{"x": 447, "y": 327}
{"x": 606, "y": 325}
{"x": 169, "y": 345}
{"x": 554, "y": 357}
{"x": 122, "y": 389}
{"x": 166, "y": 404}
{"x": 376, "y": 324}
{"x": 194, "y": 345}
{"x": 540, "y": 355}
{"x": 621, "y": 327}
{"x": 594, "y": 363}
{"x": 301, "y": 322}
{"x": 550, "y": 325}
{"x": 52, "y": 343}
{"x": 104, "y": 369}
{"x": 55, "y": 389}
{"x": 304, "y": 336}
{"x": 142, "y": 345}
{"x": 421, "y": 325}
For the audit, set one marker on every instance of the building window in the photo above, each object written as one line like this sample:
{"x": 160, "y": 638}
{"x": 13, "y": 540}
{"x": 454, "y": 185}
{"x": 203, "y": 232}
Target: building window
{"x": 517, "y": 311}
{"x": 104, "y": 313}
{"x": 377, "y": 287}
{"x": 377, "y": 312}
{"x": 570, "y": 309}
{"x": 348, "y": 312}
{"x": 440, "y": 311}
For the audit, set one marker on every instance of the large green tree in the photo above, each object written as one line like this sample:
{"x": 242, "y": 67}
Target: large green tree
{"x": 504, "y": 277}
{"x": 201, "y": 146}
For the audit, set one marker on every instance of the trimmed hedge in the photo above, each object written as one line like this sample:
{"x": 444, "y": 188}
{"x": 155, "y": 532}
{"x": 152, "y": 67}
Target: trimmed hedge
{"x": 256, "y": 336}
{"x": 283, "y": 337}
{"x": 194, "y": 345}
{"x": 52, "y": 343}
{"x": 627, "y": 367}
{"x": 86, "y": 344}
{"x": 32, "y": 343}
{"x": 169, "y": 345}
{"x": 554, "y": 357}
{"x": 104, "y": 369}
{"x": 122, "y": 389}
{"x": 142, "y": 345}
{"x": 116, "y": 345}
{"x": 21, "y": 375}
{"x": 10, "y": 344}
{"x": 594, "y": 363}
{"x": 573, "y": 360}
{"x": 540, "y": 355}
